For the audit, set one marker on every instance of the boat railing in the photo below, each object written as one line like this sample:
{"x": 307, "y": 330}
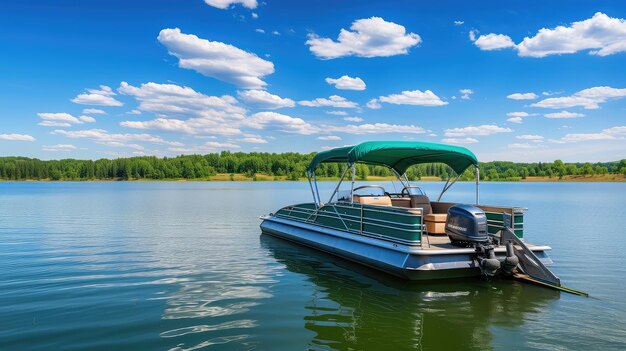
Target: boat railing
{"x": 402, "y": 225}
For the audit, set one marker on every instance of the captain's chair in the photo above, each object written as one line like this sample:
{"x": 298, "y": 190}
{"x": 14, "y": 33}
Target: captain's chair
{"x": 423, "y": 202}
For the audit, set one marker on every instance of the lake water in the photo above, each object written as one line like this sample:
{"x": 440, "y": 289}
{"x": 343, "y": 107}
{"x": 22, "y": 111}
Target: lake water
{"x": 182, "y": 266}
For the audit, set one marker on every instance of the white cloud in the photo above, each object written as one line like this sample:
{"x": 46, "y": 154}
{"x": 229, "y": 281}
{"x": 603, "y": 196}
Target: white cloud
{"x": 254, "y": 15}
{"x": 62, "y": 119}
{"x": 215, "y": 59}
{"x": 353, "y": 119}
{"x": 530, "y": 137}
{"x": 459, "y": 140}
{"x": 17, "y": 137}
{"x": 472, "y": 35}
{"x": 120, "y": 144}
{"x": 218, "y": 145}
{"x": 94, "y": 111}
{"x": 58, "y": 117}
{"x": 522, "y": 146}
{"x": 259, "y": 30}
{"x": 588, "y": 98}
{"x": 458, "y": 23}
{"x": 522, "y": 96}
{"x": 337, "y": 113}
{"x": 415, "y": 97}
{"x": 374, "y": 104}
{"x": 375, "y": 128}
{"x": 254, "y": 140}
{"x": 618, "y": 132}
{"x": 329, "y": 137}
{"x": 98, "y": 97}
{"x": 263, "y": 99}
{"x": 102, "y": 135}
{"x": 485, "y": 129}
{"x": 171, "y": 103}
{"x": 224, "y": 4}
{"x": 287, "y": 124}
{"x": 87, "y": 119}
{"x": 334, "y": 101}
{"x": 517, "y": 120}
{"x": 518, "y": 114}
{"x": 276, "y": 32}
{"x": 59, "y": 147}
{"x": 368, "y": 37}
{"x": 601, "y": 34}
{"x": 572, "y": 138}
{"x": 133, "y": 112}
{"x": 347, "y": 83}
{"x": 466, "y": 93}
{"x": 564, "y": 114}
{"x": 494, "y": 42}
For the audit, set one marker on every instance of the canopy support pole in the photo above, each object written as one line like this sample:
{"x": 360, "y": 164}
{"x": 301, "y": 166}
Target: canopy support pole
{"x": 447, "y": 186}
{"x": 315, "y": 199}
{"x": 319, "y": 199}
{"x": 399, "y": 177}
{"x": 352, "y": 186}
{"x": 338, "y": 184}
{"x": 477, "y": 173}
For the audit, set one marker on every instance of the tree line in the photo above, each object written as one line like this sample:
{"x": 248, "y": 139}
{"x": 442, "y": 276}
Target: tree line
{"x": 291, "y": 166}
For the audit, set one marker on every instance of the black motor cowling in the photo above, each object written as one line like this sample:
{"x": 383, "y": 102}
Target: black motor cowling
{"x": 467, "y": 225}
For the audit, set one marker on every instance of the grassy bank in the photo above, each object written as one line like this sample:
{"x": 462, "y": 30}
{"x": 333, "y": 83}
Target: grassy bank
{"x": 260, "y": 177}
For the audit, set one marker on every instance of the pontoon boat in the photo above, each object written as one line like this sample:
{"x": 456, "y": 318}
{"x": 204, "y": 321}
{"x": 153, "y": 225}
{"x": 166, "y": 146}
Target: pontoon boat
{"x": 406, "y": 233}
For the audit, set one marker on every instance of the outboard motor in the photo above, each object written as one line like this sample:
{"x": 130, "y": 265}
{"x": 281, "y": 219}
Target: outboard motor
{"x": 466, "y": 225}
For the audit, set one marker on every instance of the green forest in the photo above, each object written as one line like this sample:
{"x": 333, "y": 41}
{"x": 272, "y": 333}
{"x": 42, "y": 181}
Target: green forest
{"x": 288, "y": 166}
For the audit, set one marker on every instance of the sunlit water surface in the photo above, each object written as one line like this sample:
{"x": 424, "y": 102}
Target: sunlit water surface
{"x": 182, "y": 266}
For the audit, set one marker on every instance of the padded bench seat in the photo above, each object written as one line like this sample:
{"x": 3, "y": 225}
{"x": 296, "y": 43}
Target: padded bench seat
{"x": 436, "y": 223}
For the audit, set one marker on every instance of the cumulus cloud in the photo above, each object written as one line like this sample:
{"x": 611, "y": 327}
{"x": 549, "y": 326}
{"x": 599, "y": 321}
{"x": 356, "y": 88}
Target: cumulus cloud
{"x": 600, "y": 35}
{"x": 493, "y": 41}
{"x": 485, "y": 129}
{"x": 373, "y": 104}
{"x": 375, "y": 128}
{"x": 531, "y": 137}
{"x": 329, "y": 137}
{"x": 337, "y": 113}
{"x": 368, "y": 37}
{"x": 98, "y": 97}
{"x": 466, "y": 93}
{"x": 415, "y": 97}
{"x": 518, "y": 114}
{"x": 172, "y": 103}
{"x": 517, "y": 120}
{"x": 458, "y": 23}
{"x": 347, "y": 83}
{"x": 588, "y": 98}
{"x": 522, "y": 96}
{"x": 16, "y": 137}
{"x": 93, "y": 111}
{"x": 459, "y": 140}
{"x": 522, "y": 146}
{"x": 618, "y": 132}
{"x": 333, "y": 101}
{"x": 62, "y": 119}
{"x": 58, "y": 147}
{"x": 564, "y": 114}
{"x": 224, "y": 4}
{"x": 101, "y": 135}
{"x": 265, "y": 100}
{"x": 215, "y": 59}
{"x": 284, "y": 123}
{"x": 353, "y": 119}
{"x": 254, "y": 140}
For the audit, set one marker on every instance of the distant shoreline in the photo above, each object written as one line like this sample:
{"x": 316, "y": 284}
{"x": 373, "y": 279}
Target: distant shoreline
{"x": 613, "y": 178}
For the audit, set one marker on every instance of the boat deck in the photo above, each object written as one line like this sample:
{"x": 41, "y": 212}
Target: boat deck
{"x": 442, "y": 242}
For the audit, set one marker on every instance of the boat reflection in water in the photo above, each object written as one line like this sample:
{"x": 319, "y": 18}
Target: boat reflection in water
{"x": 356, "y": 308}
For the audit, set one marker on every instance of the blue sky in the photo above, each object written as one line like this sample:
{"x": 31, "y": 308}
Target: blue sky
{"x": 520, "y": 81}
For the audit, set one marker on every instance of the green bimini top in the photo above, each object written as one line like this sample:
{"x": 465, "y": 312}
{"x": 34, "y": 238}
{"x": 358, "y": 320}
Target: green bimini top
{"x": 397, "y": 155}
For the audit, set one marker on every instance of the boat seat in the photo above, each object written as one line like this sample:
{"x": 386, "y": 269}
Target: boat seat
{"x": 423, "y": 202}
{"x": 373, "y": 200}
{"x": 436, "y": 223}
{"x": 401, "y": 202}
